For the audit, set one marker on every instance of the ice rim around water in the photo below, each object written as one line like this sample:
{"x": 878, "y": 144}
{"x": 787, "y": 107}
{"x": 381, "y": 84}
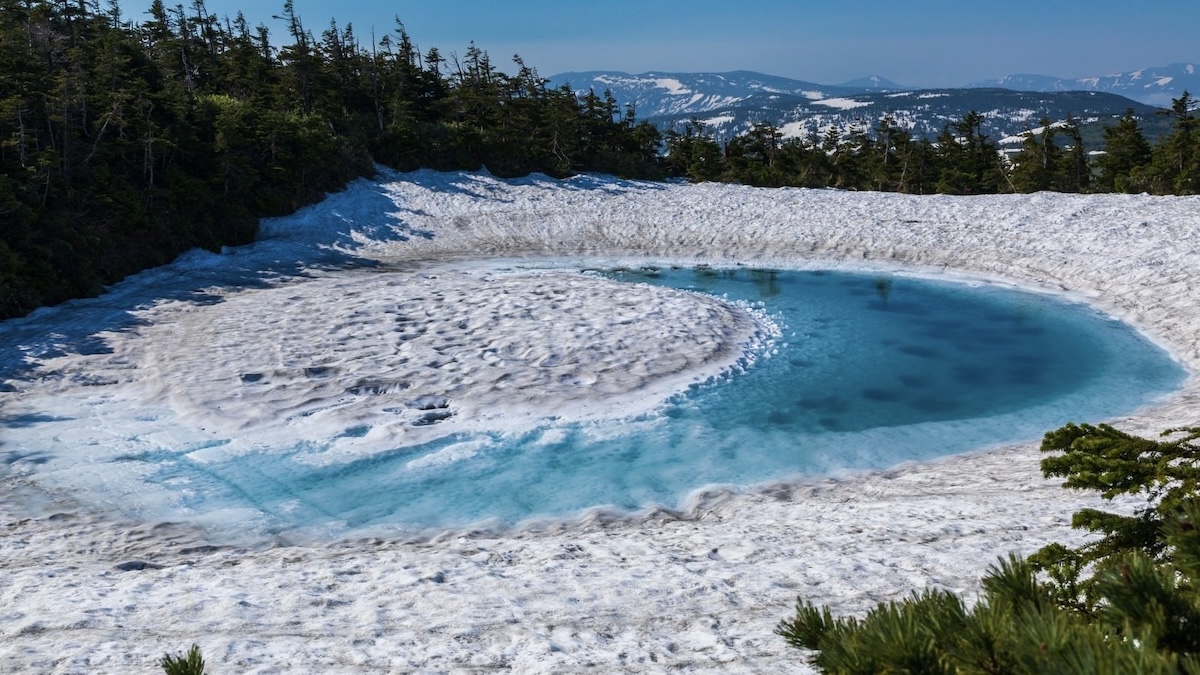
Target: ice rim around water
{"x": 292, "y": 248}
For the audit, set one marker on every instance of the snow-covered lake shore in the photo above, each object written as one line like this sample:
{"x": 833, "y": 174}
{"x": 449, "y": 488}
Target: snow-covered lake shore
{"x": 697, "y": 590}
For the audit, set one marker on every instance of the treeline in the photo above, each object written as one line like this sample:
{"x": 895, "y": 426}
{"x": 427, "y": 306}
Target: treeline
{"x": 124, "y": 143}
{"x": 961, "y": 160}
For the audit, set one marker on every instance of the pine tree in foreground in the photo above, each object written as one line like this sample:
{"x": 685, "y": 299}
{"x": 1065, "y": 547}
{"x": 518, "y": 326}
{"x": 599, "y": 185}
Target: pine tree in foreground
{"x": 1126, "y": 603}
{"x": 183, "y": 664}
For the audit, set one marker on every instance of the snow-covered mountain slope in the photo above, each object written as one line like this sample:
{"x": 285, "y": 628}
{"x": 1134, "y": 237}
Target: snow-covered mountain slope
{"x": 1154, "y": 86}
{"x": 655, "y": 95}
{"x": 729, "y": 103}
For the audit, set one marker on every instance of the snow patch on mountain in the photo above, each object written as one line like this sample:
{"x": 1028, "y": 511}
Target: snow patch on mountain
{"x": 673, "y": 87}
{"x": 731, "y": 103}
{"x": 794, "y": 130}
{"x": 843, "y": 103}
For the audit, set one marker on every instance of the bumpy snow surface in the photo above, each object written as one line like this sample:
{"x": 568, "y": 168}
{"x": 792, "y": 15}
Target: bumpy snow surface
{"x": 699, "y": 589}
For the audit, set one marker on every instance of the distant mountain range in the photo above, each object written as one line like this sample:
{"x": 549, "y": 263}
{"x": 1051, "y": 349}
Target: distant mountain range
{"x": 729, "y": 103}
{"x": 1153, "y": 86}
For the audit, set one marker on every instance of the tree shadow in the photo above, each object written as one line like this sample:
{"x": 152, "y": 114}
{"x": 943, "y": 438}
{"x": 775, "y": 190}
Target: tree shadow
{"x": 316, "y": 240}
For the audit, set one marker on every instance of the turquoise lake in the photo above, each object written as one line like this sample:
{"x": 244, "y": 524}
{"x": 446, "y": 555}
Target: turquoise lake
{"x": 872, "y": 370}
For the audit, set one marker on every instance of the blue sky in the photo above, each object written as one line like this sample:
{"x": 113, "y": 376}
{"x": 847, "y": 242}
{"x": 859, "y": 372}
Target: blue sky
{"x": 917, "y": 43}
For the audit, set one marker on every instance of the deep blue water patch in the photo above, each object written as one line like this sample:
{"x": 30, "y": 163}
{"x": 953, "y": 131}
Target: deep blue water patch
{"x": 871, "y": 371}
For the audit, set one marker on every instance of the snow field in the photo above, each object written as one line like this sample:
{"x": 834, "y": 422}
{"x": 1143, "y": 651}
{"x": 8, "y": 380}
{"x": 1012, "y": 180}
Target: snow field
{"x": 698, "y": 590}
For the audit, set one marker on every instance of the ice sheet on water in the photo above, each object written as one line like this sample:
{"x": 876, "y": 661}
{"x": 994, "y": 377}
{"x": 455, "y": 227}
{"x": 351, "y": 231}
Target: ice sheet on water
{"x": 541, "y": 416}
{"x": 346, "y": 367}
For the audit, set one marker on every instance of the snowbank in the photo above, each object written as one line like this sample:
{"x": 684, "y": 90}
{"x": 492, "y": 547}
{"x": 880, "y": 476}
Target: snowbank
{"x": 697, "y": 590}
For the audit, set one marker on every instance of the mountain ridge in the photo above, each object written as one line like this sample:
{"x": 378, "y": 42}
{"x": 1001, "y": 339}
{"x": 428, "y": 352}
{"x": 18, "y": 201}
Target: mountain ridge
{"x": 730, "y": 103}
{"x": 1154, "y": 85}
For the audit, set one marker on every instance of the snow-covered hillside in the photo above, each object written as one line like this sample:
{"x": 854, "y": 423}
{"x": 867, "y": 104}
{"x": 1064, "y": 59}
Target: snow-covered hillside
{"x": 730, "y": 103}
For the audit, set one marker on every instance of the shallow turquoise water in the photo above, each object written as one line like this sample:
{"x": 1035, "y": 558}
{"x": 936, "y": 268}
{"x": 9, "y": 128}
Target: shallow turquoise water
{"x": 871, "y": 371}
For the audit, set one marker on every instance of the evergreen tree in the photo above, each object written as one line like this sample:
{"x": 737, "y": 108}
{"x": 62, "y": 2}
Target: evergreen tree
{"x": 851, "y": 159}
{"x": 1114, "y": 463}
{"x": 969, "y": 162}
{"x": 1126, "y": 157}
{"x": 190, "y": 663}
{"x": 694, "y": 154}
{"x": 1135, "y": 612}
{"x": 753, "y": 155}
{"x": 803, "y": 164}
{"x": 1036, "y": 166}
{"x": 919, "y": 168}
{"x": 892, "y": 153}
{"x": 1175, "y": 166}
{"x": 1072, "y": 172}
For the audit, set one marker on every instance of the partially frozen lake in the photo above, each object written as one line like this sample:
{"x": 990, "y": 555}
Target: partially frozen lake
{"x": 295, "y": 325}
{"x": 395, "y": 403}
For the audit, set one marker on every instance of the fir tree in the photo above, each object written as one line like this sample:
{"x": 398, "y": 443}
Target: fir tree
{"x": 694, "y": 154}
{"x": 1035, "y": 167}
{"x": 851, "y": 159}
{"x": 969, "y": 162}
{"x": 1126, "y": 155}
{"x": 1136, "y": 611}
{"x": 890, "y": 160}
{"x": 1175, "y": 167}
{"x": 1072, "y": 172}
{"x": 191, "y": 663}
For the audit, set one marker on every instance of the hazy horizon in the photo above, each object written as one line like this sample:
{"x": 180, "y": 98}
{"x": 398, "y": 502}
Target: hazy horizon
{"x": 935, "y": 44}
